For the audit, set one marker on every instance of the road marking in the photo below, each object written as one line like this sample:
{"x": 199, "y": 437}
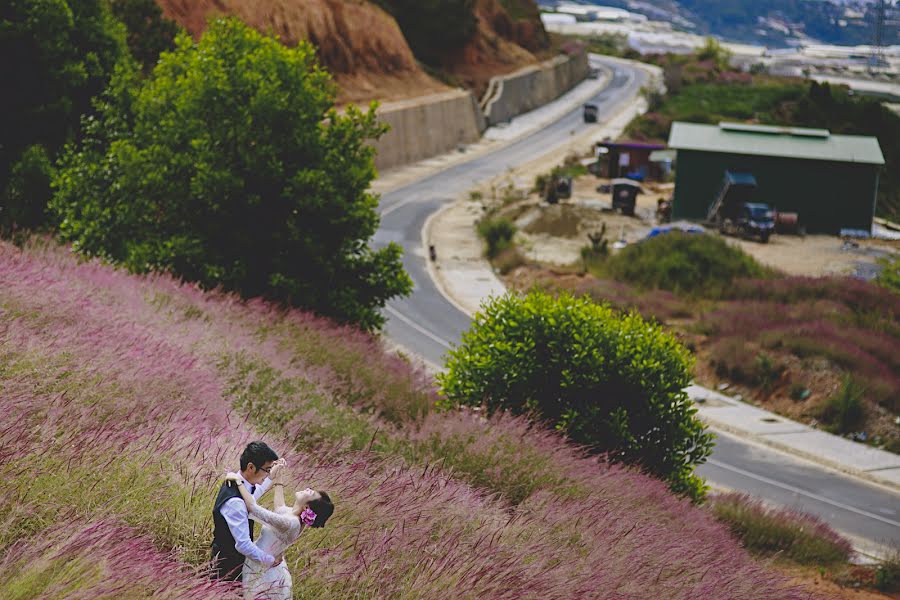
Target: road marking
{"x": 418, "y": 327}
{"x": 401, "y": 203}
{"x": 797, "y": 490}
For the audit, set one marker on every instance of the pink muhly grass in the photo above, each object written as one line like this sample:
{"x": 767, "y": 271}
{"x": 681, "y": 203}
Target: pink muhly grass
{"x": 101, "y": 559}
{"x": 862, "y": 296}
{"x": 125, "y": 371}
{"x": 801, "y": 537}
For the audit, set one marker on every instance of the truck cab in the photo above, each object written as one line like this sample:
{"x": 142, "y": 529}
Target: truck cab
{"x": 734, "y": 214}
{"x": 589, "y": 113}
{"x": 748, "y": 219}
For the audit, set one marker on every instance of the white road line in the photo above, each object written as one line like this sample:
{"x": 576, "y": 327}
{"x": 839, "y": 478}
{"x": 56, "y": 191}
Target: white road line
{"x": 797, "y": 490}
{"x": 389, "y": 209}
{"x": 418, "y": 327}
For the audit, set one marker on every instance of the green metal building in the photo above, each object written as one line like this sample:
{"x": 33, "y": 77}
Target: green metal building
{"x": 831, "y": 181}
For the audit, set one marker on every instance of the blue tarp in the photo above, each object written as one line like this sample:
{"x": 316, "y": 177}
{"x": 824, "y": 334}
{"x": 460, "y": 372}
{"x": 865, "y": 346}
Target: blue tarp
{"x": 685, "y": 228}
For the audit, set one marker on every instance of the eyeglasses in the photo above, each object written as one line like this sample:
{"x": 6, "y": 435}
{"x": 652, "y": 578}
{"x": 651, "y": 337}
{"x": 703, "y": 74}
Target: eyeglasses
{"x": 265, "y": 470}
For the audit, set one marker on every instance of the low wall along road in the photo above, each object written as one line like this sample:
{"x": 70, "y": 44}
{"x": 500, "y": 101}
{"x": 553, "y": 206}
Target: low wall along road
{"x": 511, "y": 95}
{"x": 439, "y": 123}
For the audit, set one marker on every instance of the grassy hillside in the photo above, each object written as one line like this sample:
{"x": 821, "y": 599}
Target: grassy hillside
{"x": 126, "y": 398}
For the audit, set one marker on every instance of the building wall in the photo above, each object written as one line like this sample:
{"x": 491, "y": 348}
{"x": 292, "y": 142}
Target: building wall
{"x": 427, "y": 126}
{"x": 828, "y": 196}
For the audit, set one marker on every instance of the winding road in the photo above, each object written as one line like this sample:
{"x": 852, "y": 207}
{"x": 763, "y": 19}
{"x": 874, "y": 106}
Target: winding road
{"x": 427, "y": 324}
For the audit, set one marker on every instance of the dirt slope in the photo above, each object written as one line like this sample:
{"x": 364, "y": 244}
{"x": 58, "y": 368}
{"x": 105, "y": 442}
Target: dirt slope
{"x": 359, "y": 43}
{"x": 363, "y": 47}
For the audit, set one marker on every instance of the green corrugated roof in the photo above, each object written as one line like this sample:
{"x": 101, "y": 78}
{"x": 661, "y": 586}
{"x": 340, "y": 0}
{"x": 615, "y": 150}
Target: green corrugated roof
{"x": 767, "y": 140}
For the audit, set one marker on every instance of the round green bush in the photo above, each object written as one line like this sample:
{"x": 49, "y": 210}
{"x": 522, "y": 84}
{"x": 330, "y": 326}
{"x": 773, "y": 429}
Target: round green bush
{"x": 612, "y": 383}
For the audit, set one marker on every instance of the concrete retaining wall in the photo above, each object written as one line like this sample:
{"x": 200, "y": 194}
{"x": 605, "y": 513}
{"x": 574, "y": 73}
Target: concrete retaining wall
{"x": 526, "y": 89}
{"x": 427, "y": 126}
{"x": 432, "y": 125}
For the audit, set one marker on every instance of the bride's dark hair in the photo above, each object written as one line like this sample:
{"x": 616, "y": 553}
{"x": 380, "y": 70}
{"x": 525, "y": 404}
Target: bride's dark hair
{"x": 323, "y": 508}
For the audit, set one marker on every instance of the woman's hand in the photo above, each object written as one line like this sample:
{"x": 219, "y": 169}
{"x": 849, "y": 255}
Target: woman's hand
{"x": 232, "y": 477}
{"x": 277, "y": 472}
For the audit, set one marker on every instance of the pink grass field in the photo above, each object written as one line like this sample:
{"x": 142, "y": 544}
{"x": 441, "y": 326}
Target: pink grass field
{"x": 120, "y": 417}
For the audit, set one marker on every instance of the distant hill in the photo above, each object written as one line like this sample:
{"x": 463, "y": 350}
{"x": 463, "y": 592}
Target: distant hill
{"x": 773, "y": 22}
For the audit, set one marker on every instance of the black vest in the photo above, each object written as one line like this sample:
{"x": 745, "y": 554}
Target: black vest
{"x": 227, "y": 561}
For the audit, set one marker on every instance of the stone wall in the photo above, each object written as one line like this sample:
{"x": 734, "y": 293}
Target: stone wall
{"x": 526, "y": 89}
{"x": 427, "y": 126}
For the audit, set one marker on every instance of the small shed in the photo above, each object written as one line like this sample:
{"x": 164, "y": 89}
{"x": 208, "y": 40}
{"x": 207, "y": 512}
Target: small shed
{"x": 830, "y": 181}
{"x": 630, "y": 159}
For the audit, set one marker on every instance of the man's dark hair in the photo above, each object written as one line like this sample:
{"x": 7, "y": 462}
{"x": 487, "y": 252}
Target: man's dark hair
{"x": 323, "y": 509}
{"x": 257, "y": 453}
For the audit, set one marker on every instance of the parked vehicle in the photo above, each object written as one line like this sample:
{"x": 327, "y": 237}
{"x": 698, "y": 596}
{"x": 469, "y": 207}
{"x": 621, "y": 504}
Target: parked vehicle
{"x": 624, "y": 195}
{"x": 748, "y": 219}
{"x": 734, "y": 214}
{"x": 558, "y": 187}
{"x": 590, "y": 113}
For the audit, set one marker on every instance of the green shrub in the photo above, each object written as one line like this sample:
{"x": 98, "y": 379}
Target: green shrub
{"x": 508, "y": 260}
{"x": 614, "y": 384}
{"x": 889, "y": 276}
{"x": 797, "y": 536}
{"x": 844, "y": 411}
{"x": 229, "y": 166}
{"x": 694, "y": 264}
{"x": 766, "y": 372}
{"x": 887, "y": 573}
{"x": 497, "y": 232}
{"x": 27, "y": 192}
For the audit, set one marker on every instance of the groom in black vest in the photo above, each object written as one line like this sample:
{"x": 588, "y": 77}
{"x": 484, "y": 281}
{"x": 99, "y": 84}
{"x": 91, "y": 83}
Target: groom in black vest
{"x": 232, "y": 528}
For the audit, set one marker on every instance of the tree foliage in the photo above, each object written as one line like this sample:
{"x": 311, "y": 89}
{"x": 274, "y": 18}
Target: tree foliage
{"x": 433, "y": 27}
{"x": 610, "y": 382}
{"x": 57, "y": 55}
{"x": 230, "y": 166}
{"x": 148, "y": 32}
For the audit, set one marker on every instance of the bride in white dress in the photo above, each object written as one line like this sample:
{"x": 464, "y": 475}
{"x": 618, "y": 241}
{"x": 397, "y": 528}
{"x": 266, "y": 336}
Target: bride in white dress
{"x": 280, "y": 529}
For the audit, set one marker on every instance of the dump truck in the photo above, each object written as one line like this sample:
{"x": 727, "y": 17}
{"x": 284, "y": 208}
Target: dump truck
{"x": 733, "y": 213}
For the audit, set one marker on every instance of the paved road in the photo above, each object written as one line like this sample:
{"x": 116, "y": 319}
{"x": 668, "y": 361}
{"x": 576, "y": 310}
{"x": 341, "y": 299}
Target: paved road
{"x": 427, "y": 324}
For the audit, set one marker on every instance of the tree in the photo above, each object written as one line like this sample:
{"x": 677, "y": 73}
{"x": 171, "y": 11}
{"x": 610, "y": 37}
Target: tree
{"x": 432, "y": 28}
{"x": 230, "y": 166}
{"x": 613, "y": 383}
{"x": 713, "y": 51}
{"x": 149, "y": 33}
{"x": 57, "y": 55}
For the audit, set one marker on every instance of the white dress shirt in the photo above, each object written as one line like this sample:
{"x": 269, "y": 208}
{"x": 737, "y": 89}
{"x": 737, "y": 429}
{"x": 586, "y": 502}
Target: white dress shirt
{"x": 234, "y": 511}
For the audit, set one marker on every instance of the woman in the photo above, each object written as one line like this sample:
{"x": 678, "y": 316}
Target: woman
{"x": 280, "y": 529}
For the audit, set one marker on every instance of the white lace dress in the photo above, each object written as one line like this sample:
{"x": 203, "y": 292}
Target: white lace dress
{"x": 280, "y": 529}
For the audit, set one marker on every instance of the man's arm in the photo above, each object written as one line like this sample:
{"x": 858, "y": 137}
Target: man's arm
{"x": 235, "y": 513}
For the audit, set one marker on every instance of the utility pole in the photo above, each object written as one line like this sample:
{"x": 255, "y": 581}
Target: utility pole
{"x": 876, "y": 59}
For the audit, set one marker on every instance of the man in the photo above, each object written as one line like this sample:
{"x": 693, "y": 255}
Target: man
{"x": 232, "y": 529}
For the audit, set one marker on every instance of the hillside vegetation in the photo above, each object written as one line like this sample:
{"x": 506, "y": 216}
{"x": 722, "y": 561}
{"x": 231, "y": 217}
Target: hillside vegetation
{"x": 822, "y": 350}
{"x": 128, "y": 397}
